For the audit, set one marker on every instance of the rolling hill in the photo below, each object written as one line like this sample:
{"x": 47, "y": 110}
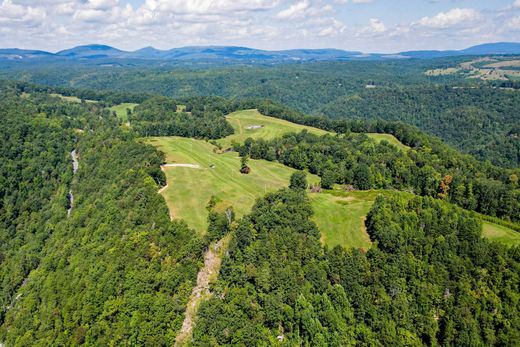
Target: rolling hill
{"x": 196, "y": 170}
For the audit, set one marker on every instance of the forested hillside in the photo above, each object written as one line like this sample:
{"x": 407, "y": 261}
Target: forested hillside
{"x": 431, "y": 280}
{"x": 484, "y": 122}
{"x": 117, "y": 271}
{"x": 357, "y": 160}
{"x": 109, "y": 267}
{"x": 477, "y": 117}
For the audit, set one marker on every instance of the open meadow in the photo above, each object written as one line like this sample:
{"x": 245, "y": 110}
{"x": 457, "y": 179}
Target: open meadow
{"x": 196, "y": 171}
{"x": 120, "y": 110}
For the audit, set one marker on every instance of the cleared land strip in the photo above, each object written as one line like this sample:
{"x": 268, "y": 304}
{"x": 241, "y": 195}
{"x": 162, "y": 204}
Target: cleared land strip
{"x": 193, "y": 166}
{"x": 201, "y": 291}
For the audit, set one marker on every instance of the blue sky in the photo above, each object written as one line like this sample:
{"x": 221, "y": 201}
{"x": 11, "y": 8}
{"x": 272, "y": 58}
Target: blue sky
{"x": 365, "y": 25}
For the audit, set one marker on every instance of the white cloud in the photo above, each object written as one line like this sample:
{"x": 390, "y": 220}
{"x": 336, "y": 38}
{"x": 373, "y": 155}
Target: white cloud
{"x": 451, "y": 18}
{"x": 296, "y": 10}
{"x": 209, "y": 6}
{"x": 12, "y": 14}
{"x": 375, "y": 26}
{"x": 514, "y": 23}
{"x": 102, "y": 4}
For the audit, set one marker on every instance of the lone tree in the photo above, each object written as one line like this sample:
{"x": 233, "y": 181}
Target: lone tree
{"x": 244, "y": 168}
{"x": 328, "y": 178}
{"x": 298, "y": 181}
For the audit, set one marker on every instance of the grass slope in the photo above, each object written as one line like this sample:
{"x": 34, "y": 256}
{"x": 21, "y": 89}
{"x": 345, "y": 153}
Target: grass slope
{"x": 339, "y": 215}
{"x": 189, "y": 189}
{"x": 499, "y": 233}
{"x": 71, "y": 98}
{"x": 390, "y": 138}
{"x": 121, "y": 110}
{"x": 341, "y": 219}
{"x": 270, "y": 127}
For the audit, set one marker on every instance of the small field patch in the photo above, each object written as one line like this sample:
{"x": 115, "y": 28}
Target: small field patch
{"x": 72, "y": 98}
{"x": 390, "y": 138}
{"x": 121, "y": 110}
{"x": 495, "y": 232}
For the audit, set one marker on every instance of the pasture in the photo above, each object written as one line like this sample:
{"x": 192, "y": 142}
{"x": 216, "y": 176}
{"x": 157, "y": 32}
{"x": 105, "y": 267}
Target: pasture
{"x": 71, "y": 98}
{"x": 120, "y": 110}
{"x": 250, "y": 123}
{"x": 190, "y": 189}
{"x": 390, "y": 138}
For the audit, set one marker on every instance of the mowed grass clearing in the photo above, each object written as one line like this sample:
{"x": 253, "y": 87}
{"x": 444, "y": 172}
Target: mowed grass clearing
{"x": 495, "y": 232}
{"x": 390, "y": 138}
{"x": 341, "y": 219}
{"x": 72, "y": 98}
{"x": 121, "y": 110}
{"x": 251, "y": 123}
{"x": 341, "y": 216}
{"x": 189, "y": 189}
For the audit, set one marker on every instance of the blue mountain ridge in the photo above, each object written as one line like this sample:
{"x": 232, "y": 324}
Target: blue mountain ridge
{"x": 236, "y": 53}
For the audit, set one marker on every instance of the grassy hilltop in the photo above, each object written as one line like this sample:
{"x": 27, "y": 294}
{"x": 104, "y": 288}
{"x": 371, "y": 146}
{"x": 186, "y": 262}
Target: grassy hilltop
{"x": 339, "y": 215}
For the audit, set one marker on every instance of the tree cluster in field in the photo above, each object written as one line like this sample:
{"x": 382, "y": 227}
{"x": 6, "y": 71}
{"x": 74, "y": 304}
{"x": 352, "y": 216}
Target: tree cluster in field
{"x": 358, "y": 160}
{"x": 117, "y": 271}
{"x": 159, "y": 117}
{"x": 429, "y": 279}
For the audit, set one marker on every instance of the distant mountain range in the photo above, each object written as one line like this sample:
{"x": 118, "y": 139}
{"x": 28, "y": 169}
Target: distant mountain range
{"x": 243, "y": 54}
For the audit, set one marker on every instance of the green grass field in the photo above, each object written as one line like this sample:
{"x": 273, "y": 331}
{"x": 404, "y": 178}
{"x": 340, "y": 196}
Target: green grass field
{"x": 499, "y": 233}
{"x": 245, "y": 123}
{"x": 71, "y": 98}
{"x": 189, "y": 189}
{"x": 269, "y": 127}
{"x": 341, "y": 219}
{"x": 339, "y": 215}
{"x": 121, "y": 110}
{"x": 391, "y": 139}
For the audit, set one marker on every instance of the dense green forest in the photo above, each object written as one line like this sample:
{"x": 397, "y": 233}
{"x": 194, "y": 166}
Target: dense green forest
{"x": 474, "y": 116}
{"x": 159, "y": 117}
{"x": 117, "y": 271}
{"x": 431, "y": 280}
{"x": 484, "y": 122}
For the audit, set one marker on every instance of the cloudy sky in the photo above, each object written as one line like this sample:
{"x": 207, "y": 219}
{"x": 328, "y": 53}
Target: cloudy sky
{"x": 365, "y": 25}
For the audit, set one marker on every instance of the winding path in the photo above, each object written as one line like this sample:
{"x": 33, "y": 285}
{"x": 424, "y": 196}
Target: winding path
{"x": 208, "y": 273}
{"x": 75, "y": 167}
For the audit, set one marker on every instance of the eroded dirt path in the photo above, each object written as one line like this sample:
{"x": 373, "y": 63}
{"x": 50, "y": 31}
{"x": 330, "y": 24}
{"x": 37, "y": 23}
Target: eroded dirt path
{"x": 201, "y": 291}
{"x": 75, "y": 167}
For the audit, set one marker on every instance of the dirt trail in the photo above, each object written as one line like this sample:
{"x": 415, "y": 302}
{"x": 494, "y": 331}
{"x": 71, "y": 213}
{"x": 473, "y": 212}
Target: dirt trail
{"x": 75, "y": 167}
{"x": 206, "y": 275}
{"x": 193, "y": 166}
